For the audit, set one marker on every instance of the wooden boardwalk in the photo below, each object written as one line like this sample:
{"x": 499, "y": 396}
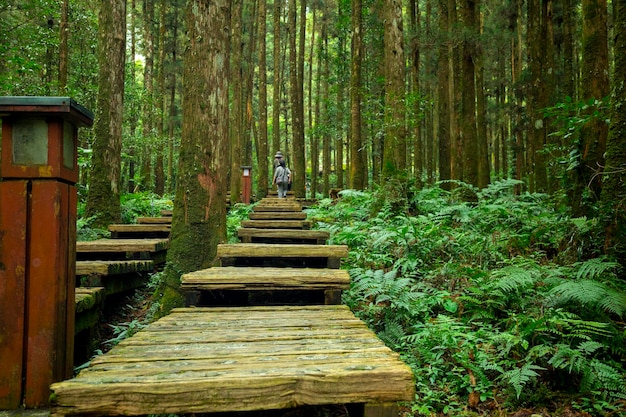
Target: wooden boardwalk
{"x": 208, "y": 359}
{"x": 204, "y": 360}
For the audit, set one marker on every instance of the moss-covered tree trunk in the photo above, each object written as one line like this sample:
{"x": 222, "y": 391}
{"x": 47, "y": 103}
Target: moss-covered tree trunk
{"x": 103, "y": 199}
{"x": 263, "y": 150}
{"x": 613, "y": 197}
{"x": 199, "y": 218}
{"x": 394, "y": 153}
{"x": 358, "y": 171}
{"x": 587, "y": 184}
{"x": 236, "y": 125}
{"x": 443, "y": 96}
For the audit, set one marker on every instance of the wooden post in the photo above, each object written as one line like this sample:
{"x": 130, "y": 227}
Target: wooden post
{"x": 38, "y": 171}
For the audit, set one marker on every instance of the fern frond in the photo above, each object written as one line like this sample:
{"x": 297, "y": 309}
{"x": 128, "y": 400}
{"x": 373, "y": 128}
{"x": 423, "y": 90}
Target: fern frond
{"x": 513, "y": 279}
{"x": 595, "y": 268}
{"x": 592, "y": 294}
{"x": 519, "y": 377}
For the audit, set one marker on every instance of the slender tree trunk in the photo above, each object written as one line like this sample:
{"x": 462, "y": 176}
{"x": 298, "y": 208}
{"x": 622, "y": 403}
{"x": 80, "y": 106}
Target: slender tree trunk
{"x": 297, "y": 108}
{"x": 263, "y": 152}
{"x": 394, "y": 157}
{"x": 199, "y": 219}
{"x": 277, "y": 90}
{"x": 613, "y": 197}
{"x": 416, "y": 119}
{"x": 443, "y": 97}
{"x": 481, "y": 122}
{"x": 326, "y": 142}
{"x": 469, "y": 139}
{"x": 134, "y": 104}
{"x": 103, "y": 199}
{"x": 236, "y": 125}
{"x": 358, "y": 169}
{"x": 594, "y": 86}
{"x": 159, "y": 174}
{"x": 148, "y": 99}
{"x": 63, "y": 48}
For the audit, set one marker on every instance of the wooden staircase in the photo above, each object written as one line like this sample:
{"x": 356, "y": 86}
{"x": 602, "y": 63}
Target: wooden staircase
{"x": 256, "y": 346}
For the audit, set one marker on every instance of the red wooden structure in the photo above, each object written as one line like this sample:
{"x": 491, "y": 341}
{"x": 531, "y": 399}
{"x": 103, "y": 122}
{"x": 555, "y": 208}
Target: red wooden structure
{"x": 38, "y": 173}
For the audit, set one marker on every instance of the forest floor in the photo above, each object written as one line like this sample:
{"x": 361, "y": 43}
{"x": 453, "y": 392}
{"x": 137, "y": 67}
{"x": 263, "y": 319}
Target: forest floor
{"x": 135, "y": 308}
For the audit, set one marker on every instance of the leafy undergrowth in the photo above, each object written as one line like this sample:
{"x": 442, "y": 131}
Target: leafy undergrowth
{"x": 501, "y": 305}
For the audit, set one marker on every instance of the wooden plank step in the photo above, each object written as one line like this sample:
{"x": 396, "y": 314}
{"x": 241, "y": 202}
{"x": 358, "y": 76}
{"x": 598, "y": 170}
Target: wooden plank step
{"x": 167, "y": 213}
{"x": 119, "y": 231}
{"x": 155, "y": 220}
{"x": 267, "y": 254}
{"x": 89, "y": 303}
{"x": 253, "y": 235}
{"x": 272, "y": 215}
{"x": 110, "y": 249}
{"x": 117, "y": 267}
{"x": 254, "y": 285}
{"x": 206, "y": 360}
{"x": 277, "y": 224}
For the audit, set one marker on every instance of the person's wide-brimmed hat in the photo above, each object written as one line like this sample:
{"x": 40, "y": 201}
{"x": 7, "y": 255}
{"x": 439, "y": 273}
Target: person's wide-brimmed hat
{"x": 279, "y": 154}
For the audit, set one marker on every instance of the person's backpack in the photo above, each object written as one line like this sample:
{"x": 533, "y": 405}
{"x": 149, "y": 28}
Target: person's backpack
{"x": 280, "y": 175}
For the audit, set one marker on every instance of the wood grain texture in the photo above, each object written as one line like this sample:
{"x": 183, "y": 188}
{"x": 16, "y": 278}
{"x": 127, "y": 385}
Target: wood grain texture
{"x": 122, "y": 245}
{"x": 113, "y": 267}
{"x": 237, "y": 359}
{"x": 281, "y": 250}
{"x": 277, "y": 224}
{"x": 241, "y": 278}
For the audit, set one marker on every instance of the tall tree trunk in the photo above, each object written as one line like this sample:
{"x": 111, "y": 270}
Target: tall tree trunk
{"x": 613, "y": 197}
{"x": 418, "y": 146}
{"x": 263, "y": 152}
{"x": 63, "y": 48}
{"x": 134, "y": 111}
{"x": 394, "y": 157}
{"x": 148, "y": 99}
{"x": 159, "y": 175}
{"x": 236, "y": 125}
{"x": 172, "y": 116}
{"x": 326, "y": 142}
{"x": 277, "y": 90}
{"x": 594, "y": 87}
{"x": 516, "y": 74}
{"x": 481, "y": 122}
{"x": 467, "y": 114}
{"x": 295, "y": 90}
{"x": 443, "y": 97}
{"x": 299, "y": 159}
{"x": 199, "y": 218}
{"x": 103, "y": 199}
{"x": 358, "y": 167}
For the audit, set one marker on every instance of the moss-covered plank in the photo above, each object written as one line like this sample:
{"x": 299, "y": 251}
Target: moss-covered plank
{"x": 119, "y": 267}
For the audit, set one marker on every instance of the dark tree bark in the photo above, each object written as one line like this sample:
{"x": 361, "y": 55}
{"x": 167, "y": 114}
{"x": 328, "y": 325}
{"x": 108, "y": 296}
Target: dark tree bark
{"x": 587, "y": 184}
{"x": 148, "y": 98}
{"x": 443, "y": 96}
{"x": 469, "y": 139}
{"x": 103, "y": 199}
{"x": 236, "y": 125}
{"x": 358, "y": 167}
{"x": 199, "y": 218}
{"x": 613, "y": 197}
{"x": 263, "y": 152}
{"x": 394, "y": 157}
{"x": 277, "y": 84}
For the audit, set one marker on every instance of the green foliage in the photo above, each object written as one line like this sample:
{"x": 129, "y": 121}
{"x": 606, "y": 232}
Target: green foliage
{"x": 495, "y": 297}
{"x": 143, "y": 205}
{"x": 236, "y": 215}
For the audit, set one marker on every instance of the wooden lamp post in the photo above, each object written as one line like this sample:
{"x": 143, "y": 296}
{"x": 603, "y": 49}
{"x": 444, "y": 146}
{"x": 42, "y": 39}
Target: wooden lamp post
{"x": 38, "y": 173}
{"x": 246, "y": 184}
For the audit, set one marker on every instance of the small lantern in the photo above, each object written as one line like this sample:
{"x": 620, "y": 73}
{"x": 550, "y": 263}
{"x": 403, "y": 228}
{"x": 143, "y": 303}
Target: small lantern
{"x": 38, "y": 173}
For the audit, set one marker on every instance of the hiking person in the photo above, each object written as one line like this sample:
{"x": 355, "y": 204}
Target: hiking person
{"x": 282, "y": 178}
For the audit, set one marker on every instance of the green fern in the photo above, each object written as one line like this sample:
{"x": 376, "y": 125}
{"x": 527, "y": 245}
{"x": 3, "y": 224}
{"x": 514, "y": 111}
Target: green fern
{"x": 519, "y": 377}
{"x": 591, "y": 294}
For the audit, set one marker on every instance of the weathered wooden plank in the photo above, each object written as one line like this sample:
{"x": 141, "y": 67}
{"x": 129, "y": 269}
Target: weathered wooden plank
{"x": 113, "y": 267}
{"x": 87, "y": 298}
{"x": 272, "y": 215}
{"x": 241, "y": 278}
{"x": 122, "y": 245}
{"x": 277, "y": 224}
{"x": 214, "y": 374}
{"x": 140, "y": 228}
{"x": 253, "y": 235}
{"x": 154, "y": 220}
{"x": 263, "y": 250}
